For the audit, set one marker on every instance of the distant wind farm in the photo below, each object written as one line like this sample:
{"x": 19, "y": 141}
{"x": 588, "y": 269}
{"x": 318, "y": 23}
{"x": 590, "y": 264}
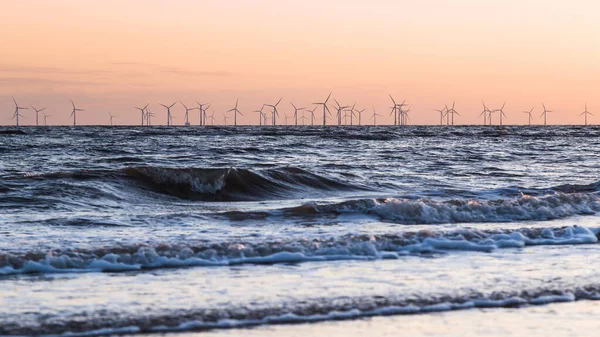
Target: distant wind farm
{"x": 342, "y": 115}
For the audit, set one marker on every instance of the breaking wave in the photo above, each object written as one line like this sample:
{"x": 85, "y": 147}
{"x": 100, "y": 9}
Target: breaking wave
{"x": 428, "y": 211}
{"x": 215, "y": 184}
{"x": 348, "y": 247}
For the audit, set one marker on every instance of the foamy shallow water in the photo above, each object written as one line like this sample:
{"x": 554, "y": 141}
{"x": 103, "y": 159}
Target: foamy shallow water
{"x": 559, "y": 320}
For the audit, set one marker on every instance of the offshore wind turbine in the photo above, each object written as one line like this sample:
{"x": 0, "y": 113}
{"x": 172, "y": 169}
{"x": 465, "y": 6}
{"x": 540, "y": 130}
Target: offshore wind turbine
{"x": 374, "y": 117}
{"x": 142, "y": 111}
{"x": 484, "y": 113}
{"x": 111, "y": 118}
{"x": 37, "y": 113}
{"x": 501, "y": 112}
{"x": 260, "y": 115}
{"x": 17, "y": 114}
{"x": 275, "y": 109}
{"x": 359, "y": 112}
{"x": 545, "y": 113}
{"x": 312, "y": 115}
{"x": 149, "y": 116}
{"x": 74, "y": 113}
{"x": 187, "y": 113}
{"x": 303, "y": 118}
{"x": 235, "y": 112}
{"x": 212, "y": 118}
{"x": 451, "y": 112}
{"x": 529, "y": 114}
{"x": 45, "y": 118}
{"x": 325, "y": 109}
{"x": 202, "y": 112}
{"x": 585, "y": 113}
{"x": 225, "y": 118}
{"x": 296, "y": 113}
{"x": 340, "y": 109}
{"x": 169, "y": 117}
{"x": 442, "y": 114}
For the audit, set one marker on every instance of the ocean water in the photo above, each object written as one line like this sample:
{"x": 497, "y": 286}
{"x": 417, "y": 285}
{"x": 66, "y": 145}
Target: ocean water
{"x": 298, "y": 230}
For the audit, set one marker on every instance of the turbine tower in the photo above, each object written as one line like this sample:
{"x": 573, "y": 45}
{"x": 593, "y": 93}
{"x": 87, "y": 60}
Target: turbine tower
{"x": 442, "y": 114}
{"x": 202, "y": 113}
{"x": 374, "y": 117}
{"x": 37, "y": 114}
{"x": 45, "y": 118}
{"x": 529, "y": 114}
{"x": 169, "y": 117}
{"x": 585, "y": 113}
{"x": 142, "y": 111}
{"x": 325, "y": 109}
{"x": 501, "y": 112}
{"x": 545, "y": 114}
{"x": 359, "y": 112}
{"x": 275, "y": 110}
{"x": 296, "y": 113}
{"x": 235, "y": 112}
{"x": 74, "y": 113}
{"x": 17, "y": 114}
{"x": 187, "y": 113}
{"x": 340, "y": 109}
{"x": 260, "y": 115}
{"x": 111, "y": 118}
{"x": 485, "y": 113}
{"x": 149, "y": 116}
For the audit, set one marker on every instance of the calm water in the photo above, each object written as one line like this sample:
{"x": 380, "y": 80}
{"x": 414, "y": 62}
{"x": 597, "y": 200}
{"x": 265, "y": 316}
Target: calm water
{"x": 138, "y": 230}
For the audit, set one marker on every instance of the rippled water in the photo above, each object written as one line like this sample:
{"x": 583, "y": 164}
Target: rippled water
{"x": 136, "y": 229}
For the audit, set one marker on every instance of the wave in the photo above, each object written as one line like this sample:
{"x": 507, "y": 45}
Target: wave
{"x": 428, "y": 211}
{"x": 214, "y": 184}
{"x": 306, "y": 310}
{"x": 348, "y": 247}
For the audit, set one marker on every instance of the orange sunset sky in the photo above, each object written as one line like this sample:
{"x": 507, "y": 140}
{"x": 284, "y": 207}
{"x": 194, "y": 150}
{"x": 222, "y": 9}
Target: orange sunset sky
{"x": 113, "y": 55}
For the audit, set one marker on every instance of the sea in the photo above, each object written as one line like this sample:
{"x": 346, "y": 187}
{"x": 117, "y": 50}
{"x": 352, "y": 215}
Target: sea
{"x": 299, "y": 231}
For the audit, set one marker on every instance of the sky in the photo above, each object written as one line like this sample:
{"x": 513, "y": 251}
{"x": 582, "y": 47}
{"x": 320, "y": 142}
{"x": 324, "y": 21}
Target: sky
{"x": 113, "y": 55}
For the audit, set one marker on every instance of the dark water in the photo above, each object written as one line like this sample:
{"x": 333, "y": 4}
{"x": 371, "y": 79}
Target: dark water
{"x": 137, "y": 229}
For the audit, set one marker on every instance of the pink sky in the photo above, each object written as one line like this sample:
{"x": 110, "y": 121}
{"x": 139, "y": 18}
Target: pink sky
{"x": 113, "y": 55}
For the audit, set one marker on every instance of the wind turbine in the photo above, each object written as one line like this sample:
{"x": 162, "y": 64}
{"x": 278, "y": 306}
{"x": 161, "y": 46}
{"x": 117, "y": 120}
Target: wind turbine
{"x": 149, "y": 116}
{"x": 17, "y": 114}
{"x": 442, "y": 114}
{"x": 74, "y": 113}
{"x": 286, "y": 118}
{"x": 296, "y": 113}
{"x": 235, "y": 112}
{"x": 212, "y": 118}
{"x": 187, "y": 113}
{"x": 586, "y": 113}
{"x": 202, "y": 112}
{"x": 45, "y": 117}
{"x": 359, "y": 112}
{"x": 142, "y": 111}
{"x": 452, "y": 112}
{"x": 275, "y": 109}
{"x": 169, "y": 118}
{"x": 225, "y": 117}
{"x": 545, "y": 113}
{"x": 325, "y": 109}
{"x": 374, "y": 116}
{"x": 340, "y": 109}
{"x": 260, "y": 115}
{"x": 484, "y": 113}
{"x": 37, "y": 113}
{"x": 312, "y": 115}
{"x": 501, "y": 112}
{"x": 303, "y": 119}
{"x": 529, "y": 114}
{"x": 111, "y": 118}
